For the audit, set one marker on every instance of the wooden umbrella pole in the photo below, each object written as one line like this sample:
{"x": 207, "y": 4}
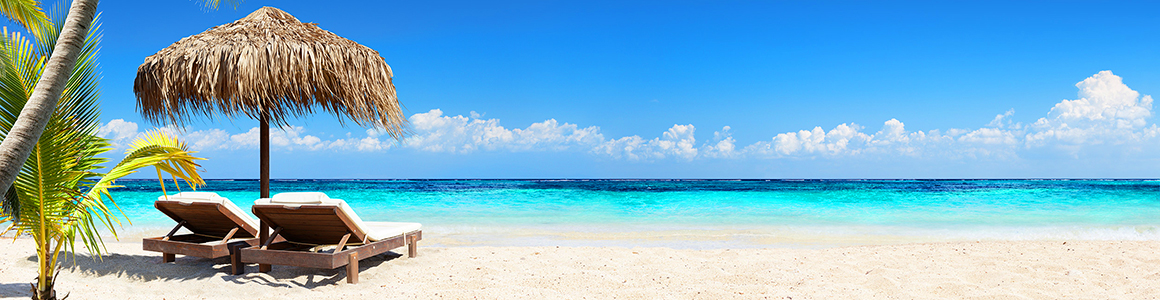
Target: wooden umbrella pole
{"x": 265, "y": 145}
{"x": 263, "y": 229}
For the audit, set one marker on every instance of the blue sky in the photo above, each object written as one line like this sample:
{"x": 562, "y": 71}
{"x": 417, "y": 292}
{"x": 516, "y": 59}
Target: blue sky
{"x": 592, "y": 89}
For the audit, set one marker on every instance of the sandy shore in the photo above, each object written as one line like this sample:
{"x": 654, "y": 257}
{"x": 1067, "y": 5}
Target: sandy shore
{"x": 967, "y": 270}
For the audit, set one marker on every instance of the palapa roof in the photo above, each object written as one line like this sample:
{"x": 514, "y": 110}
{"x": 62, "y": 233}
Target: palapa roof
{"x": 268, "y": 62}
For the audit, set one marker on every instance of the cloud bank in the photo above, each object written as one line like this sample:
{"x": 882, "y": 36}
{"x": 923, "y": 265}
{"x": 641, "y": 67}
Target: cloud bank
{"x": 1106, "y": 113}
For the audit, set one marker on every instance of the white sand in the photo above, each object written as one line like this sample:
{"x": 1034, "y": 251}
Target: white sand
{"x": 967, "y": 270}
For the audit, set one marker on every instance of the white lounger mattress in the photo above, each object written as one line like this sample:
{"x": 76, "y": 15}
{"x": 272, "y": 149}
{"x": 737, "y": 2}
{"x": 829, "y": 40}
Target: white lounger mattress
{"x": 375, "y": 231}
{"x": 384, "y": 230}
{"x": 214, "y": 198}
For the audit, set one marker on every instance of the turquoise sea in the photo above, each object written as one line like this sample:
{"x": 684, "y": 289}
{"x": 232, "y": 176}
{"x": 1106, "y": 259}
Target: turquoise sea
{"x": 717, "y": 213}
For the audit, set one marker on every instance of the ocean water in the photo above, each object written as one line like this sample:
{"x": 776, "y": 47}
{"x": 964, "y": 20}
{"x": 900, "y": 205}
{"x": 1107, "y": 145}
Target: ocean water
{"x": 717, "y": 213}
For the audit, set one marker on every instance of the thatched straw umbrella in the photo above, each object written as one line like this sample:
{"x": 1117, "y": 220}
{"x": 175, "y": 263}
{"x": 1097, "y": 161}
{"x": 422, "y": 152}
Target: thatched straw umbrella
{"x": 268, "y": 66}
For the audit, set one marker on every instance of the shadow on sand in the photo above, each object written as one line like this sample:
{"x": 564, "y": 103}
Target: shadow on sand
{"x": 16, "y": 290}
{"x": 143, "y": 267}
{"x": 150, "y": 268}
{"x": 312, "y": 277}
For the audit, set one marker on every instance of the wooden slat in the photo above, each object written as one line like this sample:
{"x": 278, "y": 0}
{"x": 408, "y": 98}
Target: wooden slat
{"x": 288, "y": 258}
{"x": 412, "y": 246}
{"x": 289, "y": 246}
{"x": 263, "y": 234}
{"x": 191, "y": 238}
{"x": 205, "y": 218}
{"x": 171, "y": 232}
{"x": 230, "y": 235}
{"x": 270, "y": 239}
{"x": 320, "y": 228}
{"x": 337, "y": 231}
{"x": 191, "y": 245}
{"x": 352, "y": 268}
{"x": 305, "y": 217}
{"x": 342, "y": 243}
{"x": 320, "y": 225}
{"x": 310, "y": 224}
{"x": 316, "y": 260}
{"x": 183, "y": 248}
{"x": 236, "y": 266}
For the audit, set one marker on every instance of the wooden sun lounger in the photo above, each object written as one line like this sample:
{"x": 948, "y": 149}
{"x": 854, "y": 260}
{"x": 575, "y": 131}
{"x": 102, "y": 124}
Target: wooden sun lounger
{"x": 309, "y": 226}
{"x": 212, "y": 224}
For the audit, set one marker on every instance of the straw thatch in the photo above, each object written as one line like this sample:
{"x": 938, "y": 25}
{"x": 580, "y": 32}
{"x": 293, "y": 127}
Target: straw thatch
{"x": 268, "y": 63}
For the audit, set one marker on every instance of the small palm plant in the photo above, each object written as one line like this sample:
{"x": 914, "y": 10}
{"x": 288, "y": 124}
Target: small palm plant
{"x": 60, "y": 194}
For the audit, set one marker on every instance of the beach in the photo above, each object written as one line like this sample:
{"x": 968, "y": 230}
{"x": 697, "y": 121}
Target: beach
{"x": 579, "y": 150}
{"x": 955, "y": 270}
{"x": 611, "y": 239}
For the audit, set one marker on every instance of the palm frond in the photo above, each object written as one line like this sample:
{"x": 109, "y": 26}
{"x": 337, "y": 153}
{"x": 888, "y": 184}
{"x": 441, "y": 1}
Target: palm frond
{"x": 25, "y": 12}
{"x": 213, "y": 4}
{"x": 10, "y": 205}
{"x": 59, "y": 196}
{"x": 156, "y": 149}
{"x": 14, "y": 51}
{"x": 66, "y": 154}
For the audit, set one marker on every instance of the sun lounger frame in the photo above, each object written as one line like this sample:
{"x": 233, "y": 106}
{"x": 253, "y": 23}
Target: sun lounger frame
{"x": 306, "y": 226}
{"x": 206, "y": 216}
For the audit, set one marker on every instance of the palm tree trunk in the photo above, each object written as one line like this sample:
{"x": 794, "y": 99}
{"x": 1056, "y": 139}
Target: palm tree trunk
{"x": 43, "y": 290}
{"x": 18, "y": 144}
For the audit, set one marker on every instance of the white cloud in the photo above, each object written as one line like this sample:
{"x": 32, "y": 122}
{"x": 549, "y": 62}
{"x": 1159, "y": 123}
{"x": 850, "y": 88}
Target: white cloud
{"x": 247, "y": 140}
{"x": 848, "y": 139}
{"x": 119, "y": 131}
{"x": 206, "y": 139}
{"x": 551, "y": 135}
{"x": 1106, "y": 112}
{"x": 817, "y": 141}
{"x": 286, "y": 138}
{"x": 676, "y": 142}
{"x": 295, "y": 137}
{"x": 1106, "y": 100}
{"x": 722, "y": 146}
{"x": 989, "y": 136}
{"x": 375, "y": 132}
{"x": 1003, "y": 120}
{"x": 435, "y": 132}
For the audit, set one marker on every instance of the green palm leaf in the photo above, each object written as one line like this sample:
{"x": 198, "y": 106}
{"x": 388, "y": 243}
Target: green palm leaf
{"x": 59, "y": 195}
{"x": 213, "y": 4}
{"x": 25, "y": 12}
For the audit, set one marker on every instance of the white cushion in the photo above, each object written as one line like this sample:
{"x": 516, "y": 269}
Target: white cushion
{"x": 377, "y": 231}
{"x": 382, "y": 230}
{"x": 211, "y": 197}
{"x": 300, "y": 198}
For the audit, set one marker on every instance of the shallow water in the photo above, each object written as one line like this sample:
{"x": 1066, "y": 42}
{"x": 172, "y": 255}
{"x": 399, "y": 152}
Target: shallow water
{"x": 720, "y": 213}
